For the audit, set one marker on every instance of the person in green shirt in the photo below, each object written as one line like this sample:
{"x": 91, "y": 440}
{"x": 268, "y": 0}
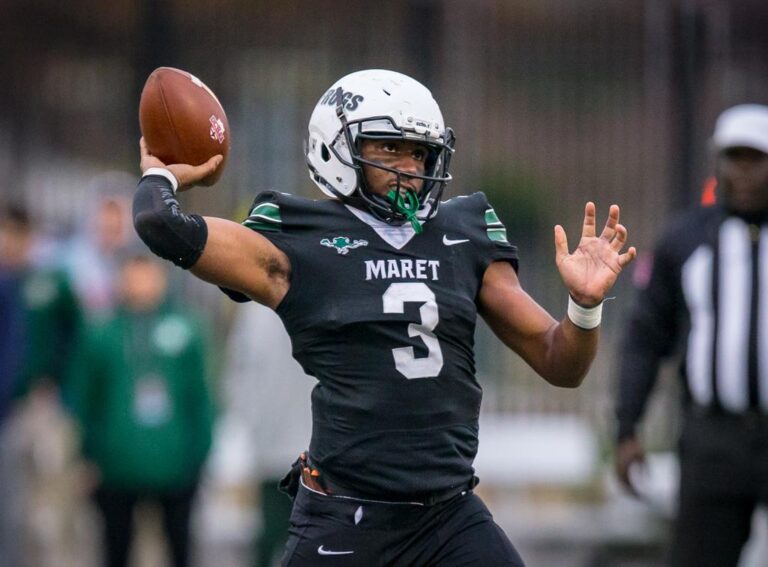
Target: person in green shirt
{"x": 141, "y": 396}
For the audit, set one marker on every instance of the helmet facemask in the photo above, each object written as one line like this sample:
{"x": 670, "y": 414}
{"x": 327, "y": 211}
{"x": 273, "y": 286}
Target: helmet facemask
{"x": 402, "y": 204}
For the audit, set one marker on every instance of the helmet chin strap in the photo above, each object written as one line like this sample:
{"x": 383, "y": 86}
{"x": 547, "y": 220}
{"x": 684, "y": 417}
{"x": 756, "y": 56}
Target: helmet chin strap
{"x": 407, "y": 204}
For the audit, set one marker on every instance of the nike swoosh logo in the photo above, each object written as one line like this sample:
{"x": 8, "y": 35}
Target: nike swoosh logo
{"x": 448, "y": 242}
{"x": 322, "y": 551}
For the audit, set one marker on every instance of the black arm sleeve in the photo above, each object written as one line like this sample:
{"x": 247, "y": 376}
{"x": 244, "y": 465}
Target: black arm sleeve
{"x": 164, "y": 228}
{"x": 638, "y": 372}
{"x": 651, "y": 335}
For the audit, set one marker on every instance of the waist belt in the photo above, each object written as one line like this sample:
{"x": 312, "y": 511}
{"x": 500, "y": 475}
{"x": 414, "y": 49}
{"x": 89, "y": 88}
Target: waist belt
{"x": 320, "y": 482}
{"x": 751, "y": 414}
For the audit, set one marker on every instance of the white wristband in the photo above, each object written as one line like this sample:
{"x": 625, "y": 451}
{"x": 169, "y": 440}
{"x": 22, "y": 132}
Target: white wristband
{"x": 584, "y": 317}
{"x": 161, "y": 171}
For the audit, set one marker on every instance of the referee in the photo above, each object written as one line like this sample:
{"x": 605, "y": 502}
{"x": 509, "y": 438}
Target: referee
{"x": 708, "y": 294}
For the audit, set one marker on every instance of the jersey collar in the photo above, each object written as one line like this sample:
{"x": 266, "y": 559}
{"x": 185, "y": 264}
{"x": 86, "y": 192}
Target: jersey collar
{"x": 395, "y": 236}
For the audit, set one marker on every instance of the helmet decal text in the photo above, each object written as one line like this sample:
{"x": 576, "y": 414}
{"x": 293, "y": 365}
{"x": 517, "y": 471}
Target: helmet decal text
{"x": 337, "y": 97}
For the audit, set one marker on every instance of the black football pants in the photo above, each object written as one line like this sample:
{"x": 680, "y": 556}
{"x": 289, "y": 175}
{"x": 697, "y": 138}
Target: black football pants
{"x": 343, "y": 531}
{"x": 724, "y": 475}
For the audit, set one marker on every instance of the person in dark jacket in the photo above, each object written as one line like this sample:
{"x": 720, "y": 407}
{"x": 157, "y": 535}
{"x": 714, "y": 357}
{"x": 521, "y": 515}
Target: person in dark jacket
{"x": 707, "y": 292}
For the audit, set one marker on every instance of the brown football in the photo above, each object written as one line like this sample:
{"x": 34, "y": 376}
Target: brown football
{"x": 182, "y": 121}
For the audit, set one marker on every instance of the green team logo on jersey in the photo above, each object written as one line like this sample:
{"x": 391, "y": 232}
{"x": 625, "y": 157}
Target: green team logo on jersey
{"x": 343, "y": 244}
{"x": 495, "y": 229}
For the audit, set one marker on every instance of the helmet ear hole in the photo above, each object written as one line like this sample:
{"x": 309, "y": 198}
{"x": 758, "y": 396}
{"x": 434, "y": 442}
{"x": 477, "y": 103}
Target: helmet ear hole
{"x": 324, "y": 153}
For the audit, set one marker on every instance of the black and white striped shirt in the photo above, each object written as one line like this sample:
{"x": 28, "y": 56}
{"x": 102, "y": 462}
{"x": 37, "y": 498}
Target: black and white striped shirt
{"x": 707, "y": 295}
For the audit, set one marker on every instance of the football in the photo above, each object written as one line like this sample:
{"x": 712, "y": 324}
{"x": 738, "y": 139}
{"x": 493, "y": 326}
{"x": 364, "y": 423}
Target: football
{"x": 182, "y": 121}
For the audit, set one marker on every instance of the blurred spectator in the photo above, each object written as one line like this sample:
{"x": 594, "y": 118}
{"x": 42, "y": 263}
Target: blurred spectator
{"x": 45, "y": 305}
{"x": 706, "y": 292}
{"x": 105, "y": 230}
{"x": 275, "y": 403}
{"x": 142, "y": 400}
{"x": 15, "y": 243}
{"x": 15, "y": 239}
{"x": 39, "y": 315}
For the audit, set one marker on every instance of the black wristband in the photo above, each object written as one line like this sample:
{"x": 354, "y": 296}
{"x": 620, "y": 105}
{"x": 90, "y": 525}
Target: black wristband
{"x": 164, "y": 228}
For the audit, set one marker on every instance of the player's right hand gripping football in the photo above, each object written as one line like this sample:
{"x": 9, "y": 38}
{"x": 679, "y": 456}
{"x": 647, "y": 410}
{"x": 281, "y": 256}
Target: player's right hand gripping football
{"x": 187, "y": 175}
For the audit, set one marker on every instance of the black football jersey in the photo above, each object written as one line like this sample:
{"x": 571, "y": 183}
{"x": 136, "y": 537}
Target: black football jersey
{"x": 385, "y": 320}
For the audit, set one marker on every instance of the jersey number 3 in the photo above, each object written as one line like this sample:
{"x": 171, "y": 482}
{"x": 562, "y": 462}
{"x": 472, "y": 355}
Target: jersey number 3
{"x": 395, "y": 298}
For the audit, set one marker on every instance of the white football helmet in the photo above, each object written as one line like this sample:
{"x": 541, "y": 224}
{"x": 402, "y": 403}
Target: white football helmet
{"x": 386, "y": 105}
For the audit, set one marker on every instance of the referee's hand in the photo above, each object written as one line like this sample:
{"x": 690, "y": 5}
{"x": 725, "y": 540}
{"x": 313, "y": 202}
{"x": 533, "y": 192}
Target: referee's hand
{"x": 630, "y": 454}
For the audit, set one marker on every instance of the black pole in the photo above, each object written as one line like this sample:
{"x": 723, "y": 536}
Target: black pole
{"x": 686, "y": 67}
{"x": 157, "y": 45}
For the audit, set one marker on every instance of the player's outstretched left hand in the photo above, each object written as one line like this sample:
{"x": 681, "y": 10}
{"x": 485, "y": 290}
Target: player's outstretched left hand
{"x": 593, "y": 267}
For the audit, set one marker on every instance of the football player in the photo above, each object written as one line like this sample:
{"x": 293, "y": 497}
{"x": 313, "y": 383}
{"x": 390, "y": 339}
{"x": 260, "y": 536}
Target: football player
{"x": 379, "y": 289}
